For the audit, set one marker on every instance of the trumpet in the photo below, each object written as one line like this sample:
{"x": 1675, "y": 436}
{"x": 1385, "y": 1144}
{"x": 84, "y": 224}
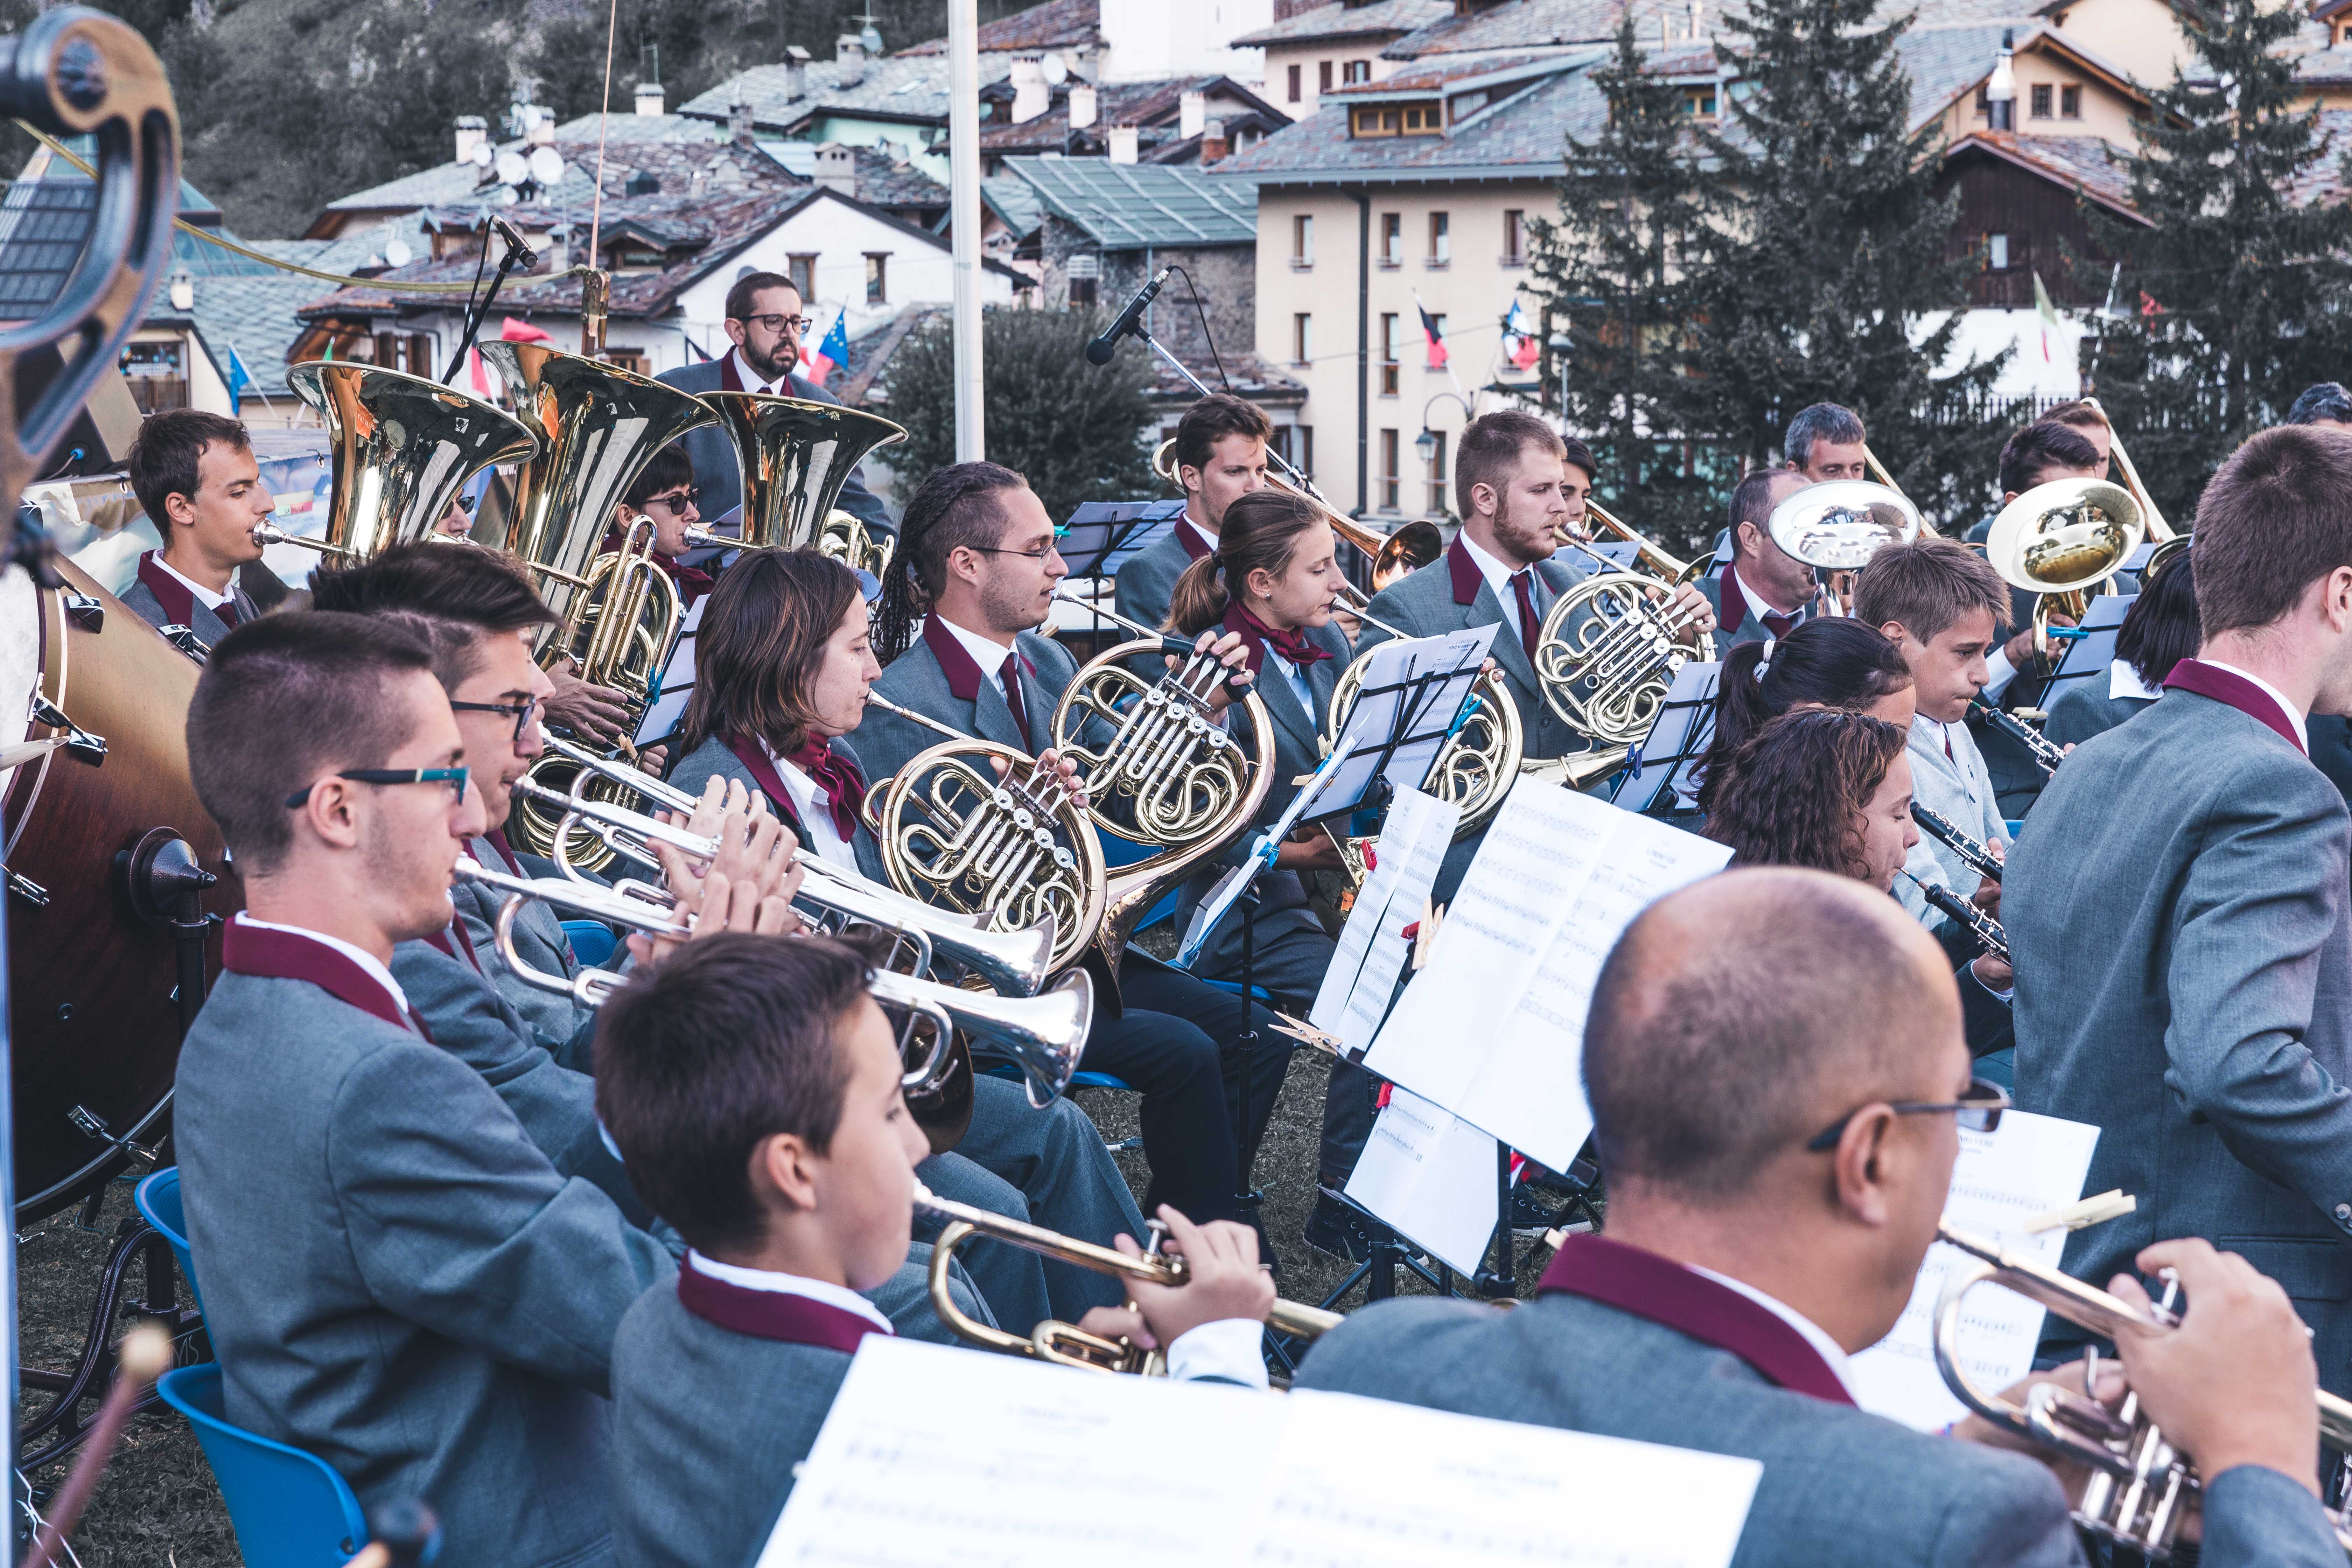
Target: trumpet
{"x": 2141, "y": 1488}
{"x": 2046, "y": 753}
{"x": 1977, "y": 855}
{"x": 1962, "y": 912}
{"x": 1061, "y": 1343}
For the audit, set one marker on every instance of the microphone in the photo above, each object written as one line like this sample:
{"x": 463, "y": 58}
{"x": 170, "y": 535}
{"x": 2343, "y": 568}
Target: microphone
{"x": 1099, "y": 351}
{"x": 515, "y": 241}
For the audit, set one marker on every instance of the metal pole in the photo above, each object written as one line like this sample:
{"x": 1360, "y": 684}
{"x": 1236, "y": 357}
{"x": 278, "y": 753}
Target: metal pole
{"x": 8, "y": 1315}
{"x": 963, "y": 216}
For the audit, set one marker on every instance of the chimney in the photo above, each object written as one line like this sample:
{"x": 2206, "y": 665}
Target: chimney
{"x": 850, "y": 55}
{"x": 836, "y": 169}
{"x": 1213, "y": 146}
{"x": 2000, "y": 90}
{"x": 1122, "y": 144}
{"x": 650, "y": 99}
{"x": 738, "y": 119}
{"x": 1698, "y": 30}
{"x": 796, "y": 64}
{"x": 472, "y": 131}
{"x": 1192, "y": 113}
{"x": 1082, "y": 105}
{"x": 1031, "y": 95}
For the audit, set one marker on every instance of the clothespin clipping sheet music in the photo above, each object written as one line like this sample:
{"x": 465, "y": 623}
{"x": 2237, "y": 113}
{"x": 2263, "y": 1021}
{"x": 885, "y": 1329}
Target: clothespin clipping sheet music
{"x": 2004, "y": 1185}
{"x": 937, "y": 1456}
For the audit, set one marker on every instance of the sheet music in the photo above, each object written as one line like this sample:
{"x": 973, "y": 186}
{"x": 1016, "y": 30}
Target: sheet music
{"x": 1372, "y": 948}
{"x": 1433, "y": 708}
{"x": 2027, "y": 1166}
{"x": 1675, "y": 745}
{"x": 940, "y": 1457}
{"x": 1493, "y": 1028}
{"x": 1431, "y": 1175}
{"x": 677, "y": 681}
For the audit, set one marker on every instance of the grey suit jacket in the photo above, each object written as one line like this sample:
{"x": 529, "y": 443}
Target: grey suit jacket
{"x": 884, "y": 743}
{"x": 714, "y": 758}
{"x": 1958, "y": 788}
{"x": 395, "y": 1278}
{"x": 1840, "y": 1489}
{"x": 2184, "y": 981}
{"x": 209, "y": 627}
{"x": 721, "y": 476}
{"x": 1751, "y": 626}
{"x": 2084, "y": 709}
{"x": 556, "y": 1022}
{"x": 1147, "y": 580}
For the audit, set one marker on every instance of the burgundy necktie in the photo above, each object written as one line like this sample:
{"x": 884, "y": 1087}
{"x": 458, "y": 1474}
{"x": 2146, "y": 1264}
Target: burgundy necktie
{"x": 227, "y": 612}
{"x": 845, "y": 787}
{"x": 1010, "y": 676}
{"x": 1778, "y": 625}
{"x": 1526, "y": 614}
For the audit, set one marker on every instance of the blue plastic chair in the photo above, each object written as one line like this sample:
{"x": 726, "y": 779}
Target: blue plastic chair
{"x": 592, "y": 942}
{"x": 158, "y": 1201}
{"x": 1117, "y": 852}
{"x": 289, "y": 1509}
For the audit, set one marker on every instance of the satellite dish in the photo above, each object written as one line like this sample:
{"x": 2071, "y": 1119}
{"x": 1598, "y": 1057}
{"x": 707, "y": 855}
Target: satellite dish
{"x": 546, "y": 166}
{"x": 513, "y": 170}
{"x": 483, "y": 154}
{"x": 398, "y": 253}
{"x": 1056, "y": 69}
{"x": 530, "y": 117}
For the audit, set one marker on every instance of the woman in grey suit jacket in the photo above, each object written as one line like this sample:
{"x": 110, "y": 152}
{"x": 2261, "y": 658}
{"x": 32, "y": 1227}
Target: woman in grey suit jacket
{"x": 2159, "y": 630}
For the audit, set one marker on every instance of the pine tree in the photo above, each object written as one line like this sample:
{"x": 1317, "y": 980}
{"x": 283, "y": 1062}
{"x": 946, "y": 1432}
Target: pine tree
{"x": 2231, "y": 300}
{"x": 1612, "y": 275}
{"x": 1832, "y": 260}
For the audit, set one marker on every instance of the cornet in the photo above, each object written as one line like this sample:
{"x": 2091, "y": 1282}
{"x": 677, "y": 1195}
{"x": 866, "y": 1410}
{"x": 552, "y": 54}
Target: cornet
{"x": 1058, "y": 1341}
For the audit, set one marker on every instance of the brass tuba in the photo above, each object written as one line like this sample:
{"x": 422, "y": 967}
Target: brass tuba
{"x": 403, "y": 448}
{"x": 795, "y": 454}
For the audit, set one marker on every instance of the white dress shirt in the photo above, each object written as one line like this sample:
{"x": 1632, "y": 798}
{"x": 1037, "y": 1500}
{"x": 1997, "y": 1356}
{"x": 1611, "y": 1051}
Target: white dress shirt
{"x": 2124, "y": 683}
{"x": 813, "y": 803}
{"x": 1999, "y": 671}
{"x": 837, "y": 1296}
{"x": 1815, "y": 1335}
{"x": 1203, "y": 534}
{"x": 986, "y": 652}
{"x": 1295, "y": 676}
{"x": 753, "y": 382}
{"x": 1499, "y": 579}
{"x": 204, "y": 595}
{"x": 2294, "y": 714}
{"x": 368, "y": 964}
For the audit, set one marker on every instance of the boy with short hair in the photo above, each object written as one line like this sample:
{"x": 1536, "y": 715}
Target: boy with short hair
{"x": 196, "y": 479}
{"x": 754, "y": 1088}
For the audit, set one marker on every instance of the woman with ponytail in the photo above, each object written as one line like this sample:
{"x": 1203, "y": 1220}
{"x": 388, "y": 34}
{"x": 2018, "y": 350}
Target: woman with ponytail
{"x": 1826, "y": 662}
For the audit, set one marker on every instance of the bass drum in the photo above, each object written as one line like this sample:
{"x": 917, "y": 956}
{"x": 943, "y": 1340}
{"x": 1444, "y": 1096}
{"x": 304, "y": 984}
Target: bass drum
{"x": 95, "y": 1024}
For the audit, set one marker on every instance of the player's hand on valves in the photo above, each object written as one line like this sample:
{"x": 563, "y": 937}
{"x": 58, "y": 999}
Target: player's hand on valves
{"x": 1229, "y": 651}
{"x": 1224, "y": 1278}
{"x": 593, "y": 713}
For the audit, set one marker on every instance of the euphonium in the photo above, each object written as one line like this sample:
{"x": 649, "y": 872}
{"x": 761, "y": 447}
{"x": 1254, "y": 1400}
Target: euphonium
{"x": 404, "y": 447}
{"x": 795, "y": 454}
{"x": 2141, "y": 1488}
{"x": 1838, "y": 526}
{"x": 1058, "y": 1341}
{"x": 2061, "y": 541}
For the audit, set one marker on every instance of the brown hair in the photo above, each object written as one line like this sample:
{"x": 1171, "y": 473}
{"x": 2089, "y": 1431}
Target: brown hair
{"x": 726, "y": 1043}
{"x": 749, "y": 287}
{"x": 1490, "y": 449}
{"x": 165, "y": 455}
{"x": 332, "y": 674}
{"x": 1751, "y": 501}
{"x": 1794, "y": 793}
{"x": 1836, "y": 661}
{"x": 2270, "y": 522}
{"x": 2078, "y": 413}
{"x": 1260, "y": 533}
{"x": 1925, "y": 585}
{"x": 1209, "y": 421}
{"x": 472, "y": 592}
{"x": 2039, "y": 447}
{"x": 955, "y": 508}
{"x": 763, "y": 635}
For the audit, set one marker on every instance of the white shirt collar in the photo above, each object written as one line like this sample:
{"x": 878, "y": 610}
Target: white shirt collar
{"x": 1203, "y": 534}
{"x": 2123, "y": 681}
{"x": 204, "y": 597}
{"x": 986, "y": 652}
{"x": 1756, "y": 603}
{"x": 360, "y": 957}
{"x": 1830, "y": 1350}
{"x": 2294, "y": 714}
{"x": 838, "y": 1295}
{"x": 1499, "y": 576}
{"x": 811, "y": 802}
{"x": 752, "y": 381}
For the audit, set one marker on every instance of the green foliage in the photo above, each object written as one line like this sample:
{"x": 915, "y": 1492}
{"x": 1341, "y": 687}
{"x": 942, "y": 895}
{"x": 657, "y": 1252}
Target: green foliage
{"x": 1614, "y": 274}
{"x": 2247, "y": 286}
{"x": 1832, "y": 252}
{"x": 1077, "y": 430}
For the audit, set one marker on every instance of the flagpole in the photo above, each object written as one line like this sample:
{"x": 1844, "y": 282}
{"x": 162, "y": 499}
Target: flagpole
{"x": 963, "y": 209}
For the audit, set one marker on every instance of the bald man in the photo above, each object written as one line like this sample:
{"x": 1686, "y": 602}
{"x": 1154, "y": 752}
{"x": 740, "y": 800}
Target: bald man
{"x": 1773, "y": 1185}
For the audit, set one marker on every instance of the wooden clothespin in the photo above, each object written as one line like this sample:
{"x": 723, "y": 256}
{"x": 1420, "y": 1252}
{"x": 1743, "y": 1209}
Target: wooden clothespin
{"x": 1426, "y": 936}
{"x": 2080, "y": 1216}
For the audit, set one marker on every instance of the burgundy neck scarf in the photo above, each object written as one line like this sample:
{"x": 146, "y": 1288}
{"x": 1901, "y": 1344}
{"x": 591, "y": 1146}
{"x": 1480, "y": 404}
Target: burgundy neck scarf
{"x": 290, "y": 955}
{"x": 1257, "y": 637}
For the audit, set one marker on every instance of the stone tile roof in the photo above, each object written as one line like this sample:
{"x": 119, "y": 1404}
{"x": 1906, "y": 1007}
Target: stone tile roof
{"x": 2325, "y": 67}
{"x": 1537, "y": 24}
{"x": 1521, "y": 135}
{"x": 907, "y": 87}
{"x": 1380, "y": 18}
{"x": 1150, "y": 105}
{"x": 2324, "y": 180}
{"x": 2090, "y": 164}
{"x": 1056, "y": 25}
{"x": 1126, "y": 206}
{"x": 1253, "y": 378}
{"x": 671, "y": 147}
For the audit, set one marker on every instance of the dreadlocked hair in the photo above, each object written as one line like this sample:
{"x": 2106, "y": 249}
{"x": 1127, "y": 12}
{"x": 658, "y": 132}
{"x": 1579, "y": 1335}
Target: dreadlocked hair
{"x": 954, "y": 509}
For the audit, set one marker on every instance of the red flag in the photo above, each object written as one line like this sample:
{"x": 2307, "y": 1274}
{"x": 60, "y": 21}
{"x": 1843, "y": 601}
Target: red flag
{"x": 1434, "y": 333}
{"x": 516, "y": 332}
{"x": 2147, "y": 305}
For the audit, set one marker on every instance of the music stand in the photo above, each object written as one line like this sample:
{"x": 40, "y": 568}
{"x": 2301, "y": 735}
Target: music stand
{"x": 1664, "y": 785}
{"x": 2128, "y": 574}
{"x": 2091, "y": 654}
{"x": 1400, "y": 724}
{"x": 1102, "y": 534}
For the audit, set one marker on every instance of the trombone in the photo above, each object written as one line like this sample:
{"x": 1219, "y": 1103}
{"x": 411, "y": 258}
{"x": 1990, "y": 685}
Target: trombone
{"x": 1056, "y": 1341}
{"x": 2158, "y": 528}
{"x": 1410, "y": 547}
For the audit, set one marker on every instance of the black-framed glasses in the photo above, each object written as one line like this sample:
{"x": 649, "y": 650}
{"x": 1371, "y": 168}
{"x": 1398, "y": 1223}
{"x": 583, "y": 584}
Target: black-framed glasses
{"x": 677, "y": 501}
{"x": 1051, "y": 547}
{"x": 777, "y": 323}
{"x": 454, "y": 777}
{"x": 522, "y": 713}
{"x": 1977, "y": 1111}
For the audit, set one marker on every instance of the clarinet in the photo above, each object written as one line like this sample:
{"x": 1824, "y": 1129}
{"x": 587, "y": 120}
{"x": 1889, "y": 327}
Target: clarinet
{"x": 1938, "y": 825}
{"x": 1987, "y": 928}
{"x": 2046, "y": 753}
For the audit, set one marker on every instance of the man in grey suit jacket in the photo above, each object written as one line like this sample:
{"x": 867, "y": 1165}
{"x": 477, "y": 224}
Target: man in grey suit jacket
{"x": 765, "y": 324}
{"x": 395, "y": 1277}
{"x": 2184, "y": 963}
{"x": 1762, "y": 592}
{"x": 1220, "y": 457}
{"x": 195, "y": 476}
{"x": 1775, "y": 1067}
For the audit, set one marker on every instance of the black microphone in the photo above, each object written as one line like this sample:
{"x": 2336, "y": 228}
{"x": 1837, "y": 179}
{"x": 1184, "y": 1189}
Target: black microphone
{"x": 515, "y": 241}
{"x": 1099, "y": 351}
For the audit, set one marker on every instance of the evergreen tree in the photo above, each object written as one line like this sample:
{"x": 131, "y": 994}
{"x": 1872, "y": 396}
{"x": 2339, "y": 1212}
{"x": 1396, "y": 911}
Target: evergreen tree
{"x": 1831, "y": 254}
{"x": 2231, "y": 300}
{"x": 1613, "y": 273}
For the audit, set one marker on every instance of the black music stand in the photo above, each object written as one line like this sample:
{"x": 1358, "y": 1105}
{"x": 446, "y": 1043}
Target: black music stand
{"x": 1658, "y": 780}
{"x": 2088, "y": 656}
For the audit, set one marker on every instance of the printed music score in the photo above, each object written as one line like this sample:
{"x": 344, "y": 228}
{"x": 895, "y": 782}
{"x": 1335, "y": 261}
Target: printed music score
{"x": 947, "y": 1459}
{"x": 1361, "y": 980}
{"x": 1493, "y": 1029}
{"x": 2027, "y": 1166}
{"x": 1429, "y": 1176}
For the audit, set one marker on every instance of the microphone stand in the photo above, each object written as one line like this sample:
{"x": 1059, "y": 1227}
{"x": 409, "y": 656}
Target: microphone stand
{"x": 1289, "y": 469}
{"x": 516, "y": 252}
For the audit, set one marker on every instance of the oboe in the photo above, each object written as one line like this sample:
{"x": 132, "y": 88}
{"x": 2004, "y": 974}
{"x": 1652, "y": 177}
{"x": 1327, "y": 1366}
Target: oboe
{"x": 2046, "y": 753}
{"x": 1938, "y": 825}
{"x": 1987, "y": 928}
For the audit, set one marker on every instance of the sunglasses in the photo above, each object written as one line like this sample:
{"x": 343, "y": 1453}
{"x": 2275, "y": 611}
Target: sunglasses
{"x": 1978, "y": 1110}
{"x": 454, "y": 777}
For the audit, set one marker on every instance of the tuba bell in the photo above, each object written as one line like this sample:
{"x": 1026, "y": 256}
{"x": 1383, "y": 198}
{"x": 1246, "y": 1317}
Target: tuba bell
{"x": 795, "y": 455}
{"x": 2060, "y": 542}
{"x": 404, "y": 447}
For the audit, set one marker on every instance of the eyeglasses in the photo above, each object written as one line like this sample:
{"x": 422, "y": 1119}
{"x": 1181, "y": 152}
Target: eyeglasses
{"x": 778, "y": 323}
{"x": 676, "y": 503}
{"x": 1978, "y": 1110}
{"x": 522, "y": 712}
{"x": 1038, "y": 554}
{"x": 454, "y": 777}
